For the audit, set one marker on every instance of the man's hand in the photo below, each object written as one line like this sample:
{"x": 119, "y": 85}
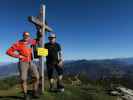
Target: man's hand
{"x": 60, "y": 64}
{"x": 21, "y": 57}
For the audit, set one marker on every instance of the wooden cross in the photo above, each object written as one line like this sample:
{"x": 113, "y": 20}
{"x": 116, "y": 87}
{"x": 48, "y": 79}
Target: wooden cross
{"x": 41, "y": 27}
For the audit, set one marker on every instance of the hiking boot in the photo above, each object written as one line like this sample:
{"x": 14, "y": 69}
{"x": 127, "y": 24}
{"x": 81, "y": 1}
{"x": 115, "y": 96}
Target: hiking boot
{"x": 35, "y": 94}
{"x": 60, "y": 86}
{"x": 52, "y": 88}
{"x": 61, "y": 89}
{"x": 40, "y": 89}
{"x": 26, "y": 96}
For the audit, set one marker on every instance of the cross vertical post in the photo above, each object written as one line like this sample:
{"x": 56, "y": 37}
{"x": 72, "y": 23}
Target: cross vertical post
{"x": 41, "y": 43}
{"x": 42, "y": 27}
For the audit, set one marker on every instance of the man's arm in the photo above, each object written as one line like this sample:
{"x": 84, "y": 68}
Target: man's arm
{"x": 60, "y": 56}
{"x": 11, "y": 51}
{"x": 60, "y": 53}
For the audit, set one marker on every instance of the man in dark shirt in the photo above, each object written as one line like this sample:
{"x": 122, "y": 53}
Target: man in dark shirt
{"x": 54, "y": 60}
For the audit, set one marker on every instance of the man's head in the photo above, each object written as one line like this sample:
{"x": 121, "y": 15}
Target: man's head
{"x": 52, "y": 38}
{"x": 26, "y": 35}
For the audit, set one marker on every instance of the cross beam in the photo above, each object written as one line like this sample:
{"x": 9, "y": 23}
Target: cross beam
{"x": 37, "y": 22}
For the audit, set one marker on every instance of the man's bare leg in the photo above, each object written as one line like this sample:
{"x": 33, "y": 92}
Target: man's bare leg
{"x": 51, "y": 81}
{"x": 60, "y": 84}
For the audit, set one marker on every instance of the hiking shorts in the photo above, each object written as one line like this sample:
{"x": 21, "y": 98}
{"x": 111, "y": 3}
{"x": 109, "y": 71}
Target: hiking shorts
{"x": 51, "y": 68}
{"x": 25, "y": 68}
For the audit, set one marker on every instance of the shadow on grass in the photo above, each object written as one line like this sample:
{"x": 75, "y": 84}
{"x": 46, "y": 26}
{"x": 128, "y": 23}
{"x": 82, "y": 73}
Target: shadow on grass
{"x": 20, "y": 96}
{"x": 11, "y": 97}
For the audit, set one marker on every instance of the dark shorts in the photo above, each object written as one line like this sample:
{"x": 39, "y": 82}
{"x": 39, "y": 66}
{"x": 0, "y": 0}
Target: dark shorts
{"x": 51, "y": 68}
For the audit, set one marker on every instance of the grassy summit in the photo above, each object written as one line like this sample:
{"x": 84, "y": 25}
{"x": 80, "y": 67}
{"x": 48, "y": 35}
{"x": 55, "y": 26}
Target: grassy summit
{"x": 10, "y": 90}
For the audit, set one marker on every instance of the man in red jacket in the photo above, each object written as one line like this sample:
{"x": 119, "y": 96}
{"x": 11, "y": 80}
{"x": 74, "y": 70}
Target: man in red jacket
{"x": 22, "y": 50}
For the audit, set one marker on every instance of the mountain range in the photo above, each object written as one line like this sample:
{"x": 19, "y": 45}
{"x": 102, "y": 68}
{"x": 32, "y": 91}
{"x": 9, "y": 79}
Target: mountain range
{"x": 94, "y": 69}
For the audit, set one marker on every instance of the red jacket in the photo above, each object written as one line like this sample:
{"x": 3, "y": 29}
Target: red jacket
{"x": 22, "y": 48}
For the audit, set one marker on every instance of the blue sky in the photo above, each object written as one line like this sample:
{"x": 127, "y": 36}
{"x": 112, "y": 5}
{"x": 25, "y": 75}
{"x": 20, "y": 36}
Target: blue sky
{"x": 87, "y": 29}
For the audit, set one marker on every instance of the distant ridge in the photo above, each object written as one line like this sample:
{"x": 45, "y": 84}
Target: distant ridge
{"x": 93, "y": 68}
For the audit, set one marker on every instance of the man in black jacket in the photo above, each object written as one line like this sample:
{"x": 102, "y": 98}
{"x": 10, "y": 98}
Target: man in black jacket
{"x": 54, "y": 60}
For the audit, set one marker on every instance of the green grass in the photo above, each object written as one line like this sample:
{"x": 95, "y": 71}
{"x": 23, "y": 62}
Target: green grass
{"x": 83, "y": 92}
